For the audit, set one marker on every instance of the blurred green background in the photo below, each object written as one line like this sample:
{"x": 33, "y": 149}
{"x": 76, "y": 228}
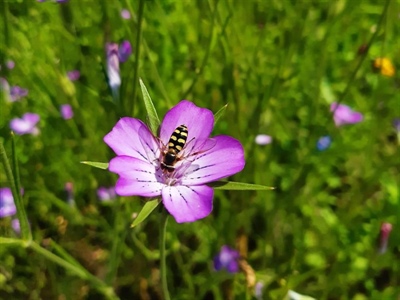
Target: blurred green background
{"x": 278, "y": 65}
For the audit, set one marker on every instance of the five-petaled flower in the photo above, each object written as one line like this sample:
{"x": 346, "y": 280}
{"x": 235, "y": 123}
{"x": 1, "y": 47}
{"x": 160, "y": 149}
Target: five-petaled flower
{"x": 228, "y": 259}
{"x": 182, "y": 187}
{"x": 343, "y": 114}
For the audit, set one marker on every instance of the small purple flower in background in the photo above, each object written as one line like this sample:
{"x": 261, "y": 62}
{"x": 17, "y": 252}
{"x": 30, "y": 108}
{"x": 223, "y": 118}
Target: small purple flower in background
{"x": 386, "y": 228}
{"x": 73, "y": 75}
{"x": 69, "y": 189}
{"x": 396, "y": 124}
{"x": 7, "y": 206}
{"x": 114, "y": 78}
{"x": 16, "y": 226}
{"x": 10, "y": 64}
{"x": 125, "y": 14}
{"x": 146, "y": 169}
{"x": 343, "y": 114}
{"x": 227, "y": 259}
{"x": 17, "y": 92}
{"x": 124, "y": 51}
{"x": 324, "y": 142}
{"x": 258, "y": 290}
{"x": 106, "y": 194}
{"x": 26, "y": 124}
{"x": 263, "y": 139}
{"x": 66, "y": 111}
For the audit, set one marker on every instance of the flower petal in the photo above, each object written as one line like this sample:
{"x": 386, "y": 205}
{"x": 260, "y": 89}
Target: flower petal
{"x": 199, "y": 121}
{"x": 224, "y": 159}
{"x": 137, "y": 178}
{"x": 131, "y": 137}
{"x": 188, "y": 203}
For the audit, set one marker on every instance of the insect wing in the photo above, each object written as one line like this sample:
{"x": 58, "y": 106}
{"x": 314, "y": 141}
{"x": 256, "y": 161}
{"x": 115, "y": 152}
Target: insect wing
{"x": 150, "y": 143}
{"x": 195, "y": 147}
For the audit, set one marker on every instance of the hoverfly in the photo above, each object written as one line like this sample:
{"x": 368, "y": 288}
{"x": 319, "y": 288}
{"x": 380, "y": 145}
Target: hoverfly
{"x": 177, "y": 149}
{"x": 176, "y": 143}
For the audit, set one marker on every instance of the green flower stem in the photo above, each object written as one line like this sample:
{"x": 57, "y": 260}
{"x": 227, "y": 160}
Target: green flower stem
{"x": 364, "y": 55}
{"x": 137, "y": 56}
{"x": 26, "y": 233}
{"x": 78, "y": 271}
{"x": 163, "y": 266}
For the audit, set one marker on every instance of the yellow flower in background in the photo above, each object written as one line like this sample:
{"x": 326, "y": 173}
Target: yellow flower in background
{"x": 384, "y": 66}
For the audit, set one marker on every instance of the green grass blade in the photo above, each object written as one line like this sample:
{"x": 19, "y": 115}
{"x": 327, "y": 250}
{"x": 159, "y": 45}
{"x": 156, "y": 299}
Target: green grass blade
{"x": 151, "y": 110}
{"x": 26, "y": 233}
{"x": 145, "y": 212}
{"x": 95, "y": 164}
{"x": 219, "y": 113}
{"x": 239, "y": 186}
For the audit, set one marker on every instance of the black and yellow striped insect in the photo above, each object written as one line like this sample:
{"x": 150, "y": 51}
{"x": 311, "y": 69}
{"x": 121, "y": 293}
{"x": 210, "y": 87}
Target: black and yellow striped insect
{"x": 176, "y": 143}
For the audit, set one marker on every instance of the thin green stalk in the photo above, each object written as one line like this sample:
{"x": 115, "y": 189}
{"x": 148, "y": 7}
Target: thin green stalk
{"x": 119, "y": 235}
{"x": 137, "y": 56}
{"x": 363, "y": 56}
{"x": 206, "y": 56}
{"x": 163, "y": 266}
{"x": 78, "y": 271}
{"x": 26, "y": 233}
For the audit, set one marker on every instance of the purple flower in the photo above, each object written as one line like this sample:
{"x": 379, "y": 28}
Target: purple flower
{"x": 17, "y": 92}
{"x": 66, "y": 111}
{"x": 124, "y": 51}
{"x": 10, "y": 64}
{"x": 7, "y": 206}
{"x": 343, "y": 114}
{"x": 386, "y": 228}
{"x": 27, "y": 124}
{"x": 228, "y": 259}
{"x": 263, "y": 139}
{"x": 396, "y": 124}
{"x": 16, "y": 226}
{"x": 69, "y": 189}
{"x": 258, "y": 290}
{"x": 73, "y": 75}
{"x": 114, "y": 78}
{"x": 324, "y": 142}
{"x": 106, "y": 194}
{"x": 176, "y": 166}
{"x": 125, "y": 14}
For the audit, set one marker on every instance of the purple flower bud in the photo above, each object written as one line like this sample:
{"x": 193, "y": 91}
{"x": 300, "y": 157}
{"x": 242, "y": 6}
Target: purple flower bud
{"x": 263, "y": 139}
{"x": 124, "y": 51}
{"x": 7, "y": 206}
{"x": 113, "y": 66}
{"x": 16, "y": 226}
{"x": 258, "y": 290}
{"x": 125, "y": 14}
{"x": 324, "y": 142}
{"x": 73, "y": 75}
{"x": 343, "y": 114}
{"x": 26, "y": 124}
{"x": 17, "y": 92}
{"x": 396, "y": 124}
{"x": 228, "y": 259}
{"x": 386, "y": 228}
{"x": 106, "y": 194}
{"x": 69, "y": 189}
{"x": 10, "y": 64}
{"x": 66, "y": 111}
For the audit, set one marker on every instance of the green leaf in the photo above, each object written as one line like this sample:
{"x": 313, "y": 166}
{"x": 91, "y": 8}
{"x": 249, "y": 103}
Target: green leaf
{"x": 151, "y": 110}
{"x": 95, "y": 164}
{"x": 145, "y": 212}
{"x": 219, "y": 113}
{"x": 239, "y": 186}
